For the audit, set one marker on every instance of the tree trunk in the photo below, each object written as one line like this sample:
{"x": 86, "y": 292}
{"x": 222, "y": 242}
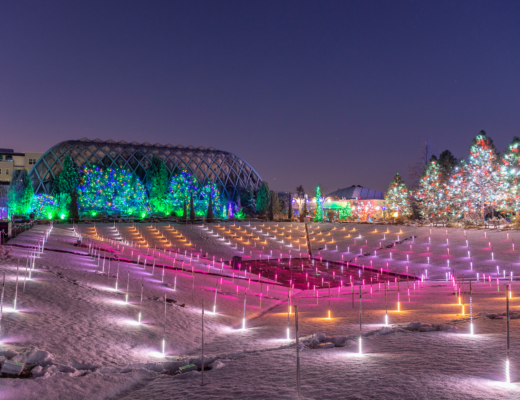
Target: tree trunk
{"x": 290, "y": 207}
{"x": 192, "y": 209}
{"x": 209, "y": 215}
{"x": 74, "y": 214}
{"x": 271, "y": 214}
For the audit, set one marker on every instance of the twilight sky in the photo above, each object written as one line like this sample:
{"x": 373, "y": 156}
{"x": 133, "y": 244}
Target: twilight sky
{"x": 334, "y": 93}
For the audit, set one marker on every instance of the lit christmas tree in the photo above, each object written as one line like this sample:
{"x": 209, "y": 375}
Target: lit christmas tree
{"x": 319, "y": 206}
{"x": 432, "y": 192}
{"x": 209, "y": 190}
{"x": 475, "y": 184}
{"x": 509, "y": 183}
{"x": 182, "y": 187}
{"x": 397, "y": 198}
{"x": 112, "y": 191}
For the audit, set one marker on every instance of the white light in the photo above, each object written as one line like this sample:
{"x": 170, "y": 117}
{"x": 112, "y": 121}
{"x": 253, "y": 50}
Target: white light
{"x": 288, "y": 334}
{"x": 508, "y": 379}
{"x": 386, "y": 319}
{"x": 244, "y": 323}
{"x": 471, "y": 329}
{"x": 360, "y": 347}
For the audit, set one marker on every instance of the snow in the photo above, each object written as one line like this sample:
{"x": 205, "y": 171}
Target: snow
{"x": 83, "y": 339}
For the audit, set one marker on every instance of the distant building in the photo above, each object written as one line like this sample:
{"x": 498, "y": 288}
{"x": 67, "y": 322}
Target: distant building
{"x": 365, "y": 203}
{"x": 356, "y": 192}
{"x": 10, "y": 161}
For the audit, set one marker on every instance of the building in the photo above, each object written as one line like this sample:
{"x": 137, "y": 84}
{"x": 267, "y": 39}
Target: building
{"x": 365, "y": 203}
{"x": 228, "y": 171}
{"x": 10, "y": 161}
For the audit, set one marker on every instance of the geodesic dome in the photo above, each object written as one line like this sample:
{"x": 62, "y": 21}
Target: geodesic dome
{"x": 228, "y": 171}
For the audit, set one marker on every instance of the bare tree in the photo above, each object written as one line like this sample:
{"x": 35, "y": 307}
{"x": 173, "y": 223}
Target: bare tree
{"x": 416, "y": 169}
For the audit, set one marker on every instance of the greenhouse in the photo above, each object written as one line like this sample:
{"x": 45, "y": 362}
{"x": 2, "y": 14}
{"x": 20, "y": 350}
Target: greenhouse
{"x": 229, "y": 172}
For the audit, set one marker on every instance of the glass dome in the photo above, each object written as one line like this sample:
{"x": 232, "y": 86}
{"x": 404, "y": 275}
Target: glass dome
{"x": 228, "y": 171}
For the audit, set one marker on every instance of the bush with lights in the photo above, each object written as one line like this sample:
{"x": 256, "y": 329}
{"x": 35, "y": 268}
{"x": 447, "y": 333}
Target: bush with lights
{"x": 112, "y": 191}
{"x": 44, "y": 206}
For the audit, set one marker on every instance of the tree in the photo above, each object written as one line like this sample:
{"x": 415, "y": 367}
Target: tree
{"x": 509, "y": 200}
{"x": 415, "y": 170}
{"x": 66, "y": 184}
{"x": 182, "y": 186}
{"x": 113, "y": 191}
{"x": 345, "y": 212}
{"x": 157, "y": 184}
{"x": 319, "y": 206}
{"x": 275, "y": 206}
{"x": 263, "y": 198}
{"x": 208, "y": 192}
{"x": 397, "y": 197}
{"x": 21, "y": 192}
{"x": 304, "y": 211}
{"x": 475, "y": 184}
{"x": 432, "y": 193}
{"x": 44, "y": 206}
{"x": 68, "y": 179}
{"x": 447, "y": 163}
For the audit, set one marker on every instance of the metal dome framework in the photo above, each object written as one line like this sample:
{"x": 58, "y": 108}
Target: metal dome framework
{"x": 357, "y": 192}
{"x": 228, "y": 171}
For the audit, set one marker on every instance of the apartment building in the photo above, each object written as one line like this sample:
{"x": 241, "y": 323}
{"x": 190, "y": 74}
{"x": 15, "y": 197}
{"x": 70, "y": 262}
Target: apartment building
{"x": 10, "y": 161}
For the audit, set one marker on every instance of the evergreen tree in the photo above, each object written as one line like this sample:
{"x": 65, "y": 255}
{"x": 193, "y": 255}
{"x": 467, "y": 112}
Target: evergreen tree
{"x": 263, "y": 198}
{"x": 182, "y": 186}
{"x": 68, "y": 179}
{"x": 397, "y": 198}
{"x": 209, "y": 191}
{"x": 319, "y": 206}
{"x": 304, "y": 209}
{"x": 67, "y": 182}
{"x": 447, "y": 163}
{"x": 509, "y": 183}
{"x": 475, "y": 185}
{"x": 275, "y": 206}
{"x": 157, "y": 184}
{"x": 21, "y": 192}
{"x": 432, "y": 193}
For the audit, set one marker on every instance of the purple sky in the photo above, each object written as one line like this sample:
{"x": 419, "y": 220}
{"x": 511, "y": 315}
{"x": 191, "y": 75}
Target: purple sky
{"x": 320, "y": 92}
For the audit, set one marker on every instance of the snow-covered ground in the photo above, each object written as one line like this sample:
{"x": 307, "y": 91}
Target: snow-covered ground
{"x": 86, "y": 341}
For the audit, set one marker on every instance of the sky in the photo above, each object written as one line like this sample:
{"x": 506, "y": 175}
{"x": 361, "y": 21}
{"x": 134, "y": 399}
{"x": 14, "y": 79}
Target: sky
{"x": 330, "y": 93}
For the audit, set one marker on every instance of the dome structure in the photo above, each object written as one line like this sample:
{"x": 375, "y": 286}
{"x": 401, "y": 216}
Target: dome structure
{"x": 357, "y": 193}
{"x": 228, "y": 171}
